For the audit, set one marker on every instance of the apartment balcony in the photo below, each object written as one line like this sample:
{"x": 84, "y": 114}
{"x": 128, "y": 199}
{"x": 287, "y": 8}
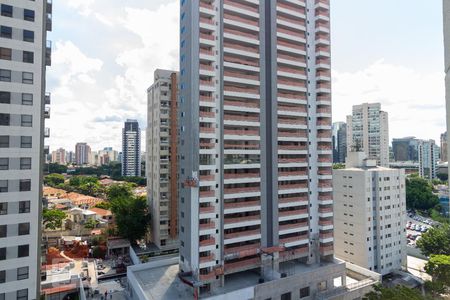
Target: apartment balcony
{"x": 46, "y": 150}
{"x": 295, "y": 253}
{"x": 291, "y": 72}
{"x": 293, "y": 85}
{"x": 242, "y": 204}
{"x": 253, "y": 189}
{"x": 324, "y": 100}
{"x": 241, "y": 36}
{"x": 48, "y": 53}
{"x": 208, "y": 242}
{"x": 296, "y": 212}
{"x": 292, "y": 160}
{"x": 292, "y": 134}
{"x": 241, "y": 118}
{"x": 207, "y": 39}
{"x": 288, "y": 227}
{"x": 230, "y": 146}
{"x": 47, "y": 112}
{"x": 207, "y": 114}
{"x": 241, "y": 75}
{"x": 242, "y": 265}
{"x": 292, "y": 60}
{"x": 325, "y": 224}
{"x": 49, "y": 7}
{"x": 248, "y": 233}
{"x": 325, "y": 172}
{"x": 234, "y": 20}
{"x": 241, "y": 175}
{"x": 211, "y": 276}
{"x": 241, "y": 132}
{"x": 290, "y": 34}
{"x": 323, "y": 15}
{"x": 236, "y": 7}
{"x": 207, "y": 130}
{"x": 207, "y": 194}
{"x": 291, "y": 147}
{"x": 207, "y": 6}
{"x": 325, "y": 210}
{"x": 294, "y": 240}
{"x": 296, "y": 23}
{"x": 251, "y": 92}
{"x": 46, "y": 132}
{"x": 292, "y": 201}
{"x": 290, "y": 9}
{"x": 324, "y": 112}
{"x": 326, "y": 250}
{"x": 49, "y": 22}
{"x": 205, "y": 20}
{"x": 208, "y": 99}
{"x": 207, "y": 210}
{"x": 208, "y": 258}
{"x": 246, "y": 250}
{"x": 291, "y": 47}
{"x": 296, "y": 174}
{"x": 236, "y": 220}
{"x": 287, "y": 108}
{"x": 323, "y": 4}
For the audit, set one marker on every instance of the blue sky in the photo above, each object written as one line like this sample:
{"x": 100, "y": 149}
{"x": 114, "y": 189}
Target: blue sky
{"x": 105, "y": 52}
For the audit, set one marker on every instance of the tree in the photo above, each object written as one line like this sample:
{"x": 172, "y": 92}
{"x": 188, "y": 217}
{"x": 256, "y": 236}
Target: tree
{"x": 419, "y": 194}
{"x": 54, "y": 180}
{"x": 123, "y": 190}
{"x": 103, "y": 205}
{"x": 55, "y": 168}
{"x": 53, "y": 218}
{"x": 435, "y": 241}
{"x": 141, "y": 181}
{"x": 399, "y": 292}
{"x": 438, "y": 267}
{"x": 91, "y": 224}
{"x": 131, "y": 216}
{"x": 442, "y": 176}
{"x": 338, "y": 166}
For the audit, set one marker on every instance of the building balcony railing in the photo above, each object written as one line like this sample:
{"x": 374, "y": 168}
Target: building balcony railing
{"x": 291, "y": 32}
{"x": 241, "y": 19}
{"x": 324, "y": 172}
{"x": 324, "y": 249}
{"x": 248, "y": 90}
{"x": 207, "y": 177}
{"x": 291, "y": 147}
{"x": 292, "y": 108}
{"x": 292, "y": 226}
{"x": 207, "y": 209}
{"x": 325, "y": 235}
{"x": 241, "y": 47}
{"x": 324, "y": 110}
{"x": 206, "y": 21}
{"x": 241, "y": 132}
{"x": 241, "y": 75}
{"x": 291, "y": 70}
{"x": 207, "y": 82}
{"x": 207, "y": 130}
{"x": 48, "y": 53}
{"x": 291, "y": 57}
{"x": 242, "y": 264}
{"x": 292, "y": 186}
{"x": 240, "y": 146}
{"x": 207, "y": 194}
{"x": 242, "y": 233}
{"x": 292, "y": 173}
{"x": 242, "y": 219}
{"x": 48, "y": 98}
{"x": 46, "y": 132}
{"x": 293, "y": 239}
{"x": 207, "y": 114}
{"x": 325, "y": 222}
{"x": 292, "y": 212}
{"x": 291, "y": 20}
{"x": 291, "y": 160}
{"x": 208, "y": 258}
{"x": 293, "y": 199}
{"x": 205, "y": 226}
{"x": 290, "y": 7}
{"x": 242, "y": 61}
{"x": 292, "y": 82}
{"x": 207, "y": 36}
{"x": 207, "y": 277}
{"x": 325, "y": 209}
{"x": 206, "y": 52}
{"x": 206, "y": 98}
{"x": 241, "y": 6}
{"x": 206, "y": 5}
{"x": 240, "y": 33}
{"x": 291, "y": 45}
{"x": 242, "y": 204}
{"x": 208, "y": 242}
{"x": 241, "y": 118}
{"x": 294, "y": 252}
{"x": 240, "y": 175}
{"x": 47, "y": 112}
{"x": 252, "y": 189}
{"x": 292, "y": 134}
{"x": 241, "y": 104}
{"x": 242, "y": 249}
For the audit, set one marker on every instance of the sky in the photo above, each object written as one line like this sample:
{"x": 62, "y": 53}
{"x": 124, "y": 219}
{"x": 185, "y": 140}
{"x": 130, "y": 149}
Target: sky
{"x": 105, "y": 53}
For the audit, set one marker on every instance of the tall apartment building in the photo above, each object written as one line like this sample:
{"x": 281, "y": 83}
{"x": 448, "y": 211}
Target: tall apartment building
{"x": 82, "y": 154}
{"x": 255, "y": 139}
{"x": 24, "y": 55}
{"x": 446, "y": 16}
{"x": 368, "y": 130}
{"x": 59, "y": 156}
{"x": 428, "y": 159}
{"x": 107, "y": 155}
{"x": 444, "y": 148}
{"x": 339, "y": 136}
{"x": 131, "y": 149}
{"x": 370, "y": 233}
{"x": 405, "y": 149}
{"x": 162, "y": 158}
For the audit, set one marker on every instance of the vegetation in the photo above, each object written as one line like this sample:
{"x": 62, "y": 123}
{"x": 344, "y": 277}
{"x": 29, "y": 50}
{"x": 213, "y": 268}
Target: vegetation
{"x": 419, "y": 194}
{"x": 55, "y": 168}
{"x": 438, "y": 267}
{"x": 116, "y": 191}
{"x": 338, "y": 166}
{"x": 53, "y": 218}
{"x": 54, "y": 180}
{"x": 91, "y": 224}
{"x": 396, "y": 293}
{"x": 103, "y": 205}
{"x": 435, "y": 241}
{"x": 443, "y": 176}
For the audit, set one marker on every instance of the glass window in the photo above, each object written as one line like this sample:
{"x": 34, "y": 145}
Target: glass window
{"x": 4, "y": 163}
{"x": 304, "y": 292}
{"x": 27, "y": 99}
{"x": 3, "y": 253}
{"x": 27, "y": 77}
{"x": 3, "y": 208}
{"x": 26, "y": 142}
{"x": 4, "y": 141}
{"x": 25, "y": 185}
{"x": 24, "y": 207}
{"x": 4, "y": 119}
{"x": 5, "y": 75}
{"x": 22, "y": 273}
{"x": 24, "y": 228}
{"x": 3, "y": 231}
{"x": 28, "y": 57}
{"x": 3, "y": 186}
{"x": 6, "y": 32}
{"x": 7, "y": 10}
{"x": 5, "y": 53}
{"x": 2, "y": 296}
{"x": 26, "y": 120}
{"x": 22, "y": 294}
{"x": 28, "y": 36}
{"x": 23, "y": 251}
{"x": 5, "y": 97}
{"x": 28, "y": 15}
{"x": 2, "y": 276}
{"x": 25, "y": 163}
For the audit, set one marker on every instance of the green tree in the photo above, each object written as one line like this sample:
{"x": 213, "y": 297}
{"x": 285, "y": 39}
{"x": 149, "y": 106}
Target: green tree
{"x": 103, "y": 205}
{"x": 55, "y": 168}
{"x": 442, "y": 176}
{"x": 419, "y": 194}
{"x": 91, "y": 224}
{"x": 53, "y": 218}
{"x": 54, "y": 179}
{"x": 338, "y": 166}
{"x": 141, "y": 181}
{"x": 131, "y": 216}
{"x": 396, "y": 293}
{"x": 438, "y": 267}
{"x": 123, "y": 190}
{"x": 435, "y": 241}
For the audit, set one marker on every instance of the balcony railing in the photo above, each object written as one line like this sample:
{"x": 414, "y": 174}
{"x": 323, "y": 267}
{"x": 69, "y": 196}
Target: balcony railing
{"x": 242, "y": 219}
{"x": 292, "y": 212}
{"x": 241, "y": 6}
{"x": 208, "y": 242}
{"x": 252, "y": 189}
{"x": 242, "y": 204}
{"x": 242, "y": 233}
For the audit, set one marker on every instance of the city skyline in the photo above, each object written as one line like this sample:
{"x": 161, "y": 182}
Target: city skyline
{"x": 115, "y": 85}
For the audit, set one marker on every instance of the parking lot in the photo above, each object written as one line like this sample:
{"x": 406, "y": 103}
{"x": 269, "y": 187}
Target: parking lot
{"x": 416, "y": 226}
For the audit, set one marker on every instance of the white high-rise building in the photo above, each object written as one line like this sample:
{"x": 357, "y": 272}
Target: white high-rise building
{"x": 82, "y": 154}
{"x": 24, "y": 55}
{"x": 428, "y": 158}
{"x": 368, "y": 131}
{"x": 162, "y": 158}
{"x": 59, "y": 156}
{"x": 370, "y": 214}
{"x": 131, "y": 149}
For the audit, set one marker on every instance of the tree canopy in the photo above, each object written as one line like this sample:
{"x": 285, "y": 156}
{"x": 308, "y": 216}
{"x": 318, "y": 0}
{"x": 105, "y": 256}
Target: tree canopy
{"x": 435, "y": 241}
{"x": 438, "y": 267}
{"x": 122, "y": 190}
{"x": 54, "y": 179}
{"x": 396, "y": 293}
{"x": 53, "y": 218}
{"x": 419, "y": 194}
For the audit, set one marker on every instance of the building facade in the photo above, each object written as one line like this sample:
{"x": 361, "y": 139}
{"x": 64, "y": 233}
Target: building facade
{"x": 370, "y": 233}
{"x": 444, "y": 148}
{"x": 131, "y": 149}
{"x": 428, "y": 159}
{"x": 255, "y": 137}
{"x": 339, "y": 142}
{"x": 368, "y": 130}
{"x": 59, "y": 156}
{"x": 24, "y": 55}
{"x": 446, "y": 16}
{"x": 405, "y": 149}
{"x": 162, "y": 158}
{"x": 82, "y": 154}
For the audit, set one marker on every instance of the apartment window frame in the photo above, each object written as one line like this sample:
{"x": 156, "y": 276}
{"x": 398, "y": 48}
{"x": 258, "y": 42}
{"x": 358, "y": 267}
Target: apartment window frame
{"x": 304, "y": 292}
{"x": 2, "y": 253}
{"x": 25, "y": 163}
{"x": 4, "y": 163}
{"x": 5, "y": 75}
{"x": 5, "y": 53}
{"x": 26, "y": 120}
{"x": 28, "y": 36}
{"x": 28, "y": 57}
{"x": 23, "y": 250}
{"x": 25, "y": 185}
{"x": 7, "y": 10}
{"x": 23, "y": 229}
{"x": 22, "y": 294}
{"x": 6, "y": 32}
{"x": 27, "y": 77}
{"x": 3, "y": 186}
{"x": 3, "y": 231}
{"x": 23, "y": 273}
{"x": 3, "y": 208}
{"x": 5, "y": 97}
{"x": 5, "y": 119}
{"x": 24, "y": 207}
{"x": 29, "y": 15}
{"x": 27, "y": 99}
{"x": 2, "y": 276}
{"x": 24, "y": 143}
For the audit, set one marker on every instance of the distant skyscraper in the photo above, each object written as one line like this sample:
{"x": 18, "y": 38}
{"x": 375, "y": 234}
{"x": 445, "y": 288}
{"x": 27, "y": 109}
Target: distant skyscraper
{"x": 368, "y": 130}
{"x": 405, "y": 149}
{"x": 24, "y": 55}
{"x": 428, "y": 159}
{"x": 162, "y": 158}
{"x": 131, "y": 149}
{"x": 339, "y": 132}
{"x": 82, "y": 153}
{"x": 444, "y": 147}
{"x": 70, "y": 157}
{"x": 59, "y": 156}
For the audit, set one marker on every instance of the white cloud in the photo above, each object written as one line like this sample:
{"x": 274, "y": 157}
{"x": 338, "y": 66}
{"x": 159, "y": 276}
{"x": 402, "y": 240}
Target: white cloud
{"x": 83, "y": 6}
{"x": 415, "y": 101}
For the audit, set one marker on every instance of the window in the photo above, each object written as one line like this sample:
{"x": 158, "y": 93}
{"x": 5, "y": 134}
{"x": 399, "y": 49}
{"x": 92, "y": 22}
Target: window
{"x": 24, "y": 207}
{"x": 4, "y": 163}
{"x": 28, "y": 36}
{"x": 2, "y": 253}
{"x": 3, "y": 186}
{"x": 5, "y": 53}
{"x": 22, "y": 294}
{"x": 6, "y": 32}
{"x": 23, "y": 251}
{"x": 25, "y": 163}
{"x": 28, "y": 57}
{"x": 25, "y": 185}
{"x": 2, "y": 276}
{"x": 25, "y": 142}
{"x": 27, "y": 99}
{"x": 4, "y": 141}
{"x": 5, "y": 75}
{"x": 4, "y": 119}
{"x": 27, "y": 77}
{"x": 3, "y": 208}
{"x": 5, "y": 97}
{"x": 7, "y": 10}
{"x": 24, "y": 228}
{"x": 304, "y": 292}
{"x": 286, "y": 296}
{"x": 28, "y": 15}
{"x": 22, "y": 273}
{"x": 3, "y": 231}
{"x": 26, "y": 120}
